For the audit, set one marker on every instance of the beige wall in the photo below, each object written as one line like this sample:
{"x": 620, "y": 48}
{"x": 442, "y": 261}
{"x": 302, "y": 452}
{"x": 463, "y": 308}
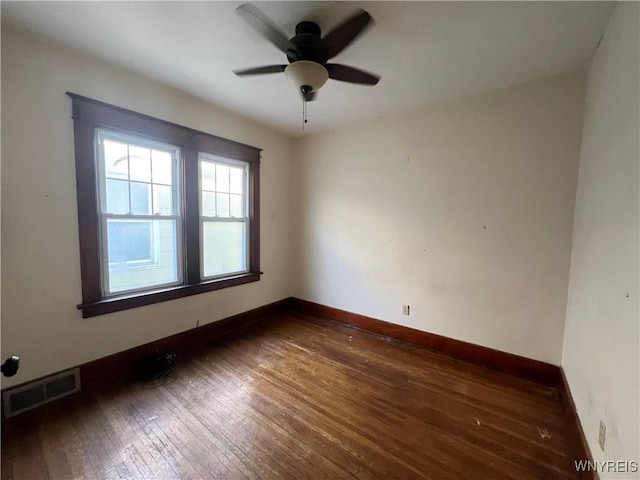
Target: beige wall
{"x": 40, "y": 260}
{"x": 601, "y": 346}
{"x": 463, "y": 211}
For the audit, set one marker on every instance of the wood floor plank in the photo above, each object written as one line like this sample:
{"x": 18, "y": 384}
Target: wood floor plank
{"x": 299, "y": 398}
{"x": 261, "y": 399}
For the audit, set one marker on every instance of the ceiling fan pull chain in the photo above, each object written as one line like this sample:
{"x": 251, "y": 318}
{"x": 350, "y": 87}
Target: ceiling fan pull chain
{"x": 304, "y": 111}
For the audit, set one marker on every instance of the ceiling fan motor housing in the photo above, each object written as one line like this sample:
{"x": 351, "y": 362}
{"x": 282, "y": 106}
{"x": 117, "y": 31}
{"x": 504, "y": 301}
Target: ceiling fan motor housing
{"x": 306, "y": 43}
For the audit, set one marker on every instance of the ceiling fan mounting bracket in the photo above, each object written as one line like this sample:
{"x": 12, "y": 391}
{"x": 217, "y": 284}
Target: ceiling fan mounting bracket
{"x": 308, "y": 28}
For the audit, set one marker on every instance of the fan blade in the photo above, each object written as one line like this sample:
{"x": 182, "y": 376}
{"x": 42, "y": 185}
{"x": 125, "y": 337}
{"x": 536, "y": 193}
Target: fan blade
{"x": 345, "y": 73}
{"x": 340, "y": 37}
{"x": 266, "y": 27}
{"x": 260, "y": 70}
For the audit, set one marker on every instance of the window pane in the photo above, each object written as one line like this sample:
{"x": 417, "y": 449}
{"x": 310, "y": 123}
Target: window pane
{"x": 236, "y": 180}
{"x": 208, "y": 180}
{"x": 140, "y": 198}
{"x": 115, "y": 160}
{"x": 222, "y": 204}
{"x": 162, "y": 201}
{"x": 208, "y": 204}
{"x": 236, "y": 205}
{"x": 117, "y": 196}
{"x": 162, "y": 167}
{"x": 222, "y": 178}
{"x": 129, "y": 241}
{"x": 141, "y": 254}
{"x": 139, "y": 163}
{"x": 224, "y": 248}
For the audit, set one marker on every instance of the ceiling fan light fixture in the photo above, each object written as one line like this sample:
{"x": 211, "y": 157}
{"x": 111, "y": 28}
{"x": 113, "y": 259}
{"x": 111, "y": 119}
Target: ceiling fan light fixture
{"x": 305, "y": 73}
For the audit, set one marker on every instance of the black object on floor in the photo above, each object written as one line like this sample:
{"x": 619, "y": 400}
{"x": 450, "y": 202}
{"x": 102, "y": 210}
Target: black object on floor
{"x": 155, "y": 367}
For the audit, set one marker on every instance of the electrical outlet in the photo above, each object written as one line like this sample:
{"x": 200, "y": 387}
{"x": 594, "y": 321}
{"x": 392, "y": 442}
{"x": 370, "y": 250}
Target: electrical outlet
{"x": 602, "y": 433}
{"x": 405, "y": 309}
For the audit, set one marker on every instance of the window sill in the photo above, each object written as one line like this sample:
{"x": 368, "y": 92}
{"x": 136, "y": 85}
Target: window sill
{"x": 133, "y": 300}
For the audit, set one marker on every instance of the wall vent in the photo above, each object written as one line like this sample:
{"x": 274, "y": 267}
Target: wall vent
{"x": 41, "y": 391}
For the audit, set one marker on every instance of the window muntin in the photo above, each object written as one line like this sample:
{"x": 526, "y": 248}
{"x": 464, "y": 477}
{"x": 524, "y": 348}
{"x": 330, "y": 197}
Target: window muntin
{"x": 140, "y": 213}
{"x": 224, "y": 219}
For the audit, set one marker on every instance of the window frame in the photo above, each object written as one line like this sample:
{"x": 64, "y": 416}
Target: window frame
{"x": 89, "y": 116}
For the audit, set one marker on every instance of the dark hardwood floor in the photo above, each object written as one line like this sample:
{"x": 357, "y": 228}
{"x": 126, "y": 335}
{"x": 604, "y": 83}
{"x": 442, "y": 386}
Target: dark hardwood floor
{"x": 299, "y": 397}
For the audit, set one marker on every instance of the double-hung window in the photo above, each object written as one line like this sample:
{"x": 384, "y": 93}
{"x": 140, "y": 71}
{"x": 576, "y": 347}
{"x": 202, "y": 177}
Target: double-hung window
{"x": 164, "y": 211}
{"x": 140, "y": 213}
{"x": 224, "y": 223}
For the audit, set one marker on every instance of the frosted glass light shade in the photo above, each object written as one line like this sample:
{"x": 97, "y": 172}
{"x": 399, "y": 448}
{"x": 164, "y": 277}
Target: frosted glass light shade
{"x": 304, "y": 72}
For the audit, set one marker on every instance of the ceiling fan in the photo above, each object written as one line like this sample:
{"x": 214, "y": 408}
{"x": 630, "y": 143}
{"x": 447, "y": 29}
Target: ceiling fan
{"x": 308, "y": 52}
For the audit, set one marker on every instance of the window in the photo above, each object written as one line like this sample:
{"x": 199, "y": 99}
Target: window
{"x": 140, "y": 213}
{"x": 223, "y": 216}
{"x": 164, "y": 211}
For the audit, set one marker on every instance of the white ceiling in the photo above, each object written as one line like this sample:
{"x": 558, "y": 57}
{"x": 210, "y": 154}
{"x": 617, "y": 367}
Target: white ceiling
{"x": 425, "y": 52}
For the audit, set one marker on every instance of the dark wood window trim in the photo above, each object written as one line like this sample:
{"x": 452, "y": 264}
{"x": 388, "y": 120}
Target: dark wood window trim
{"x": 88, "y": 115}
